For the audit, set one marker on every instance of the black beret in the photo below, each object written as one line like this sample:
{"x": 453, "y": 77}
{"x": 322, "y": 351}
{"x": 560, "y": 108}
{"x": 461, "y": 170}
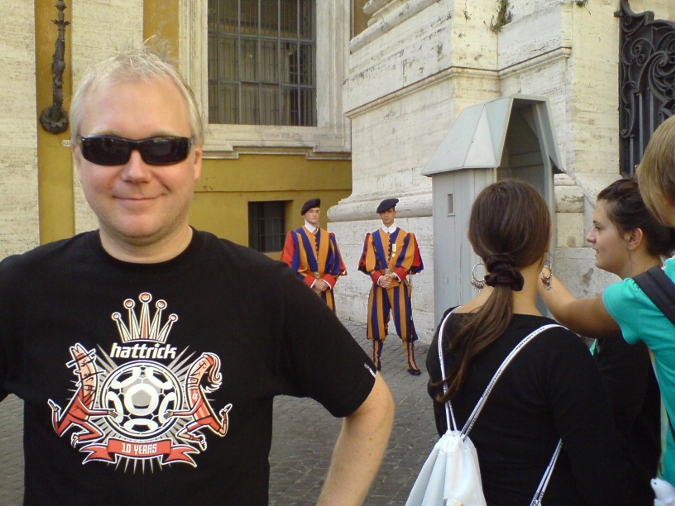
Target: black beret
{"x": 309, "y": 205}
{"x": 386, "y": 204}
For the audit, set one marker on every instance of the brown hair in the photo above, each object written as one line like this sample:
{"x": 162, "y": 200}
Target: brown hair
{"x": 509, "y": 229}
{"x": 627, "y": 211}
{"x": 656, "y": 173}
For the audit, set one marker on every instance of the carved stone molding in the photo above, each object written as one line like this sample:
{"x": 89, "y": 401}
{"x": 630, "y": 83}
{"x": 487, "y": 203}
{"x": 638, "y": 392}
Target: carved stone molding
{"x": 390, "y": 15}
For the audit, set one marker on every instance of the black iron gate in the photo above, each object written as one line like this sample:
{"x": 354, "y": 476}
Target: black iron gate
{"x": 646, "y": 81}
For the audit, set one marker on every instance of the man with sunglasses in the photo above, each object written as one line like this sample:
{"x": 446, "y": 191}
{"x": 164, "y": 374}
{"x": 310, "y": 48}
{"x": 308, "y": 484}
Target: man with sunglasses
{"x": 147, "y": 353}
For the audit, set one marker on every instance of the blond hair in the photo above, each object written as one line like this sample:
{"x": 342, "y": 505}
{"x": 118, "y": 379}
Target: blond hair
{"x": 150, "y": 64}
{"x": 656, "y": 173}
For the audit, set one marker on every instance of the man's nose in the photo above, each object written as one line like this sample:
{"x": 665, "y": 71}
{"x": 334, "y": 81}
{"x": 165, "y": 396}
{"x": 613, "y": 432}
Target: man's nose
{"x": 136, "y": 169}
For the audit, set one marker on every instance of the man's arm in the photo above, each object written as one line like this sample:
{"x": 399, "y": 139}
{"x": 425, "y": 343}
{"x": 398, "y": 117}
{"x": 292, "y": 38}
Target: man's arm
{"x": 359, "y": 449}
{"x": 288, "y": 253}
{"x": 587, "y": 317}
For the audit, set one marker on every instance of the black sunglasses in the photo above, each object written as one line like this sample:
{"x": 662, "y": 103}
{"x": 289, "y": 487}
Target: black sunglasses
{"x": 110, "y": 150}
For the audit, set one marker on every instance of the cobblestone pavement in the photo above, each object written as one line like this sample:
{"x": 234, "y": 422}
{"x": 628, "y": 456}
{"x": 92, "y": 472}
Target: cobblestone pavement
{"x": 304, "y": 435}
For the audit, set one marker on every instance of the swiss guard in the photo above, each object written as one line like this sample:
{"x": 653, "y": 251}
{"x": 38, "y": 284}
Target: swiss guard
{"x": 313, "y": 253}
{"x": 390, "y": 256}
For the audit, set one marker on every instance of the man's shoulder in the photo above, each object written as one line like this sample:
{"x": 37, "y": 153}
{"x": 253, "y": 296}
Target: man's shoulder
{"x": 233, "y": 254}
{"x": 296, "y": 231}
{"x": 32, "y": 267}
{"x": 46, "y": 252}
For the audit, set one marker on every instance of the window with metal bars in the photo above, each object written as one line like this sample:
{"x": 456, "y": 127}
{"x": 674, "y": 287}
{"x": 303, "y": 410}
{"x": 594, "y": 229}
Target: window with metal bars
{"x": 646, "y": 82}
{"x": 262, "y": 62}
{"x": 266, "y": 225}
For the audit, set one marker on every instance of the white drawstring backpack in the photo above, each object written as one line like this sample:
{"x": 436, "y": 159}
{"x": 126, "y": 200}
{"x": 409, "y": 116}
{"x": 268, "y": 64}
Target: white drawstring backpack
{"x": 451, "y": 475}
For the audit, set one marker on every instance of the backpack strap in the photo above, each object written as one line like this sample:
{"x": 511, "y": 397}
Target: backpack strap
{"x": 450, "y": 417}
{"x": 539, "y": 494}
{"x": 660, "y": 289}
{"x": 449, "y": 414}
{"x": 483, "y": 399}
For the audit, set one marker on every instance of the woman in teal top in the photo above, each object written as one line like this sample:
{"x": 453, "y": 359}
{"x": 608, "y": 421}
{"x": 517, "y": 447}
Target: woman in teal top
{"x": 623, "y": 309}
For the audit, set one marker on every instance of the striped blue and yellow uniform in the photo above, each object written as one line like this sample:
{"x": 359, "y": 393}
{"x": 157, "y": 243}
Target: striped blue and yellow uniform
{"x": 399, "y": 253}
{"x": 315, "y": 256}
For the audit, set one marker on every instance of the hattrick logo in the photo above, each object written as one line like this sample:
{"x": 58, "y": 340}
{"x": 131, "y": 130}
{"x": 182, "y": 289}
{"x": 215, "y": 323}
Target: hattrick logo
{"x": 143, "y": 401}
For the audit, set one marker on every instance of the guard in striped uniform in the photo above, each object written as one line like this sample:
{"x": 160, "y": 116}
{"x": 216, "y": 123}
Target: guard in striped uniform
{"x": 314, "y": 255}
{"x": 390, "y": 255}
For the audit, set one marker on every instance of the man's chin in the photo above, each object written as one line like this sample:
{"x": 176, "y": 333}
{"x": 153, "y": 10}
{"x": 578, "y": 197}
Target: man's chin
{"x": 135, "y": 235}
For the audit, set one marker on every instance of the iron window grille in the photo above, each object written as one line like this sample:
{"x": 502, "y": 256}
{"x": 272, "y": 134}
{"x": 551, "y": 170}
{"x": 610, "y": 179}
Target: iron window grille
{"x": 266, "y": 226}
{"x": 262, "y": 62}
{"x": 646, "y": 81}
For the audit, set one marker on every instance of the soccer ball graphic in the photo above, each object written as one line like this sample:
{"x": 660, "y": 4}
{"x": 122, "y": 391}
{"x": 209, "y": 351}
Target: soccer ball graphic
{"x": 141, "y": 393}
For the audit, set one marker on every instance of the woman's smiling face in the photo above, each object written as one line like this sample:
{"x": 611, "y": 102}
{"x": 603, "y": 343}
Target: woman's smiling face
{"x": 610, "y": 245}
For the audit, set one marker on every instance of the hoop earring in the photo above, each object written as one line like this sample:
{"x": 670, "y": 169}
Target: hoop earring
{"x": 478, "y": 284}
{"x": 546, "y": 275}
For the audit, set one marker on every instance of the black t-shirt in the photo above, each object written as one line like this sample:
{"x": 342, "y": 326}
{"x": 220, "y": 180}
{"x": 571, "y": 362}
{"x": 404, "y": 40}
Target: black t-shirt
{"x": 628, "y": 375}
{"x": 550, "y": 390}
{"x": 154, "y": 384}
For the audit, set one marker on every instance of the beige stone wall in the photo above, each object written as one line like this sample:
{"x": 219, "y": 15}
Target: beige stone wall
{"x": 19, "y": 228}
{"x": 98, "y": 28}
{"x": 545, "y": 51}
{"x": 662, "y": 9}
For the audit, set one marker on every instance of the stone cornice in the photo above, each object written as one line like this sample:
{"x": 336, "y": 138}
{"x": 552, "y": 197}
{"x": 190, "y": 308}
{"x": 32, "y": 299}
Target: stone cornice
{"x": 449, "y": 73}
{"x": 463, "y": 72}
{"x": 413, "y": 205}
{"x": 390, "y": 19}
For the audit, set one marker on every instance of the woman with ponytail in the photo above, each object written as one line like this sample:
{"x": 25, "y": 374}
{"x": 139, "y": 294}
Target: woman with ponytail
{"x": 550, "y": 391}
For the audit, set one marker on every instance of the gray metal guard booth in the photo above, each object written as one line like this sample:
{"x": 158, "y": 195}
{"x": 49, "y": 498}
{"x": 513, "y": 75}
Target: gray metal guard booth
{"x": 510, "y": 137}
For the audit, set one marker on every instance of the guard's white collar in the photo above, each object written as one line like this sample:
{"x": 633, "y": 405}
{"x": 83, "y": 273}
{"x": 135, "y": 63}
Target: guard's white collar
{"x": 311, "y": 228}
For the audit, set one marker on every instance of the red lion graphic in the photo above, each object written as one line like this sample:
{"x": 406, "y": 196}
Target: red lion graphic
{"x": 80, "y": 409}
{"x": 200, "y": 408}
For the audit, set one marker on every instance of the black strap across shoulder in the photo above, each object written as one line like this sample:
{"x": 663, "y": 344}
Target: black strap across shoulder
{"x": 659, "y": 288}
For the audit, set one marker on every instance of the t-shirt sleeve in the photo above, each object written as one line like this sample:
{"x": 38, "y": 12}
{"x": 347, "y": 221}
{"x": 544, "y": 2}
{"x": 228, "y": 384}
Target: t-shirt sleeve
{"x": 621, "y": 301}
{"x": 321, "y": 358}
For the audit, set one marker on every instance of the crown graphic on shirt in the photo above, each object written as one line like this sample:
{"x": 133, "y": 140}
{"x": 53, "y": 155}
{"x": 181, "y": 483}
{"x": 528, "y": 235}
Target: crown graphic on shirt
{"x": 144, "y": 328}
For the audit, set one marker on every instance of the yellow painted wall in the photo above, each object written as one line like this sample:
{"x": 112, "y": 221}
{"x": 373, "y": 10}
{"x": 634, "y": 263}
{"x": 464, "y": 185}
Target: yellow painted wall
{"x": 55, "y": 186}
{"x": 160, "y": 19}
{"x": 359, "y": 18}
{"x": 226, "y": 187}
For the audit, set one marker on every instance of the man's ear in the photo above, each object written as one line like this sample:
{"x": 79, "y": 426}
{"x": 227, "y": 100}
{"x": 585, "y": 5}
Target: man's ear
{"x": 77, "y": 159}
{"x": 197, "y": 163}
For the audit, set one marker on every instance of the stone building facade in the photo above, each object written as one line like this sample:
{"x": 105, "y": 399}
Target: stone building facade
{"x": 387, "y": 97}
{"x": 420, "y": 62}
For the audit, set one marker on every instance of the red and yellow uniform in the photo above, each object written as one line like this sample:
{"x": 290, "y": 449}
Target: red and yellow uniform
{"x": 396, "y": 253}
{"x": 315, "y": 256}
